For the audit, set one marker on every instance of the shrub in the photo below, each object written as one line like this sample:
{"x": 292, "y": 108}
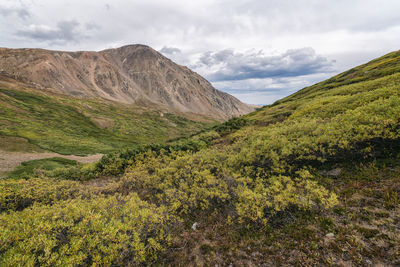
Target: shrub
{"x": 186, "y": 183}
{"x": 108, "y": 231}
{"x": 182, "y": 181}
{"x": 231, "y": 125}
{"x": 21, "y": 193}
{"x": 76, "y": 173}
{"x": 263, "y": 197}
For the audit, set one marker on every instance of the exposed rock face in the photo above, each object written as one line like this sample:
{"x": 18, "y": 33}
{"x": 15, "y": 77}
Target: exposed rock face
{"x": 129, "y": 74}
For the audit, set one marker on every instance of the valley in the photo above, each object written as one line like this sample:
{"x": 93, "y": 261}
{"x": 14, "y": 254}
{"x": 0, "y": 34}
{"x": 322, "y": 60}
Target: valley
{"x": 312, "y": 179}
{"x": 62, "y": 102}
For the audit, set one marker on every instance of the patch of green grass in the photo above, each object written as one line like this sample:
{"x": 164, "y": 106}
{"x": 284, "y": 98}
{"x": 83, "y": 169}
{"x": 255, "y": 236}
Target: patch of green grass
{"x": 28, "y": 168}
{"x": 391, "y": 199}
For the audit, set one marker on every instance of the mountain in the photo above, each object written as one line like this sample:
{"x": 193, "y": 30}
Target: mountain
{"x": 133, "y": 74}
{"x": 311, "y": 180}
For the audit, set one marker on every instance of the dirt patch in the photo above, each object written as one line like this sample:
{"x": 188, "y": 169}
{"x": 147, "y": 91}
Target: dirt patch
{"x": 10, "y": 160}
{"x": 103, "y": 123}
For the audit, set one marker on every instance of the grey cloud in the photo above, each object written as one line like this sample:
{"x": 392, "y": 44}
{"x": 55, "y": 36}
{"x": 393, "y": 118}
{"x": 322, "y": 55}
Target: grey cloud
{"x": 65, "y": 31}
{"x": 170, "y": 50}
{"x": 232, "y": 65}
{"x": 21, "y": 12}
{"x": 209, "y": 58}
{"x": 268, "y": 90}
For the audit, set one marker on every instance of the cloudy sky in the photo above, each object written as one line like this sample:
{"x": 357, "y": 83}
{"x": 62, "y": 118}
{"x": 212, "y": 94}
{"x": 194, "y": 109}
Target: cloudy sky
{"x": 257, "y": 50}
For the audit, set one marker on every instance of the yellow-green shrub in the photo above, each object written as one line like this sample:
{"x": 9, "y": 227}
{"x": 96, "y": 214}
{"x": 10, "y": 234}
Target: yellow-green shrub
{"x": 21, "y": 193}
{"x": 263, "y": 197}
{"x": 298, "y": 141}
{"x": 117, "y": 230}
{"x": 181, "y": 180}
{"x": 187, "y": 182}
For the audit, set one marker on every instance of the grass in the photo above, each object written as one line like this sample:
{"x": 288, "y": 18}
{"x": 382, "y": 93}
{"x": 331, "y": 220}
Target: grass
{"x": 17, "y": 144}
{"x": 33, "y": 167}
{"x": 81, "y": 127}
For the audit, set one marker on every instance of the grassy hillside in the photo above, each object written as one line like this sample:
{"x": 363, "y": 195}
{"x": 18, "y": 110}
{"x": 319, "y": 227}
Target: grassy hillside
{"x": 80, "y": 127}
{"x": 377, "y": 68}
{"x": 313, "y": 179}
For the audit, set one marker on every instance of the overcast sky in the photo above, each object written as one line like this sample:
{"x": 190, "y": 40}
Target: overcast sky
{"x": 257, "y": 50}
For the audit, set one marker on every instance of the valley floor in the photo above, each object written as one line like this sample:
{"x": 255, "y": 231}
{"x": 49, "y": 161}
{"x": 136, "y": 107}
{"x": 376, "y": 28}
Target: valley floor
{"x": 10, "y": 160}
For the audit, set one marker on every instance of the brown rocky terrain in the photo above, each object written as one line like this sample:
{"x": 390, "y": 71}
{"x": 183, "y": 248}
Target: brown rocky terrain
{"x": 133, "y": 74}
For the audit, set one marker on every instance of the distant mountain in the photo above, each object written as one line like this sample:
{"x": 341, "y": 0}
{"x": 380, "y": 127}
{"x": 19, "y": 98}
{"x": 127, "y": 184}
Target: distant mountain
{"x": 129, "y": 74}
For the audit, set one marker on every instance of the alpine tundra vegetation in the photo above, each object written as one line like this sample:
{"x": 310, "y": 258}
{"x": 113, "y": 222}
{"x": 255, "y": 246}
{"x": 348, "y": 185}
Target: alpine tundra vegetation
{"x": 313, "y": 178}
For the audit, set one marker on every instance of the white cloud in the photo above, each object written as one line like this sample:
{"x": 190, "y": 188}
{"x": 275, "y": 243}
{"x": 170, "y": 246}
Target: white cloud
{"x": 9, "y": 8}
{"x": 64, "y": 32}
{"x": 170, "y": 50}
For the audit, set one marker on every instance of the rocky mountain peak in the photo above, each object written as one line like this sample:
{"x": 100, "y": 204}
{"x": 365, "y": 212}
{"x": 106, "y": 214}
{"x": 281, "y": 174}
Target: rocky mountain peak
{"x": 129, "y": 74}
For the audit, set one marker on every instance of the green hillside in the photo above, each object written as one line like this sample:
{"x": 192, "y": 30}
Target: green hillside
{"x": 378, "y": 68}
{"x": 73, "y": 126}
{"x": 313, "y": 178}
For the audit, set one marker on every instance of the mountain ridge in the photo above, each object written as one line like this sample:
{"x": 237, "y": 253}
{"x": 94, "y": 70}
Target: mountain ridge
{"x": 129, "y": 74}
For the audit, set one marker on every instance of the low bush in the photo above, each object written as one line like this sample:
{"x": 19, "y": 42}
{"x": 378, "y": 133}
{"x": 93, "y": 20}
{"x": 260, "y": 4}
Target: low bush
{"x": 117, "y": 230}
{"x": 21, "y": 193}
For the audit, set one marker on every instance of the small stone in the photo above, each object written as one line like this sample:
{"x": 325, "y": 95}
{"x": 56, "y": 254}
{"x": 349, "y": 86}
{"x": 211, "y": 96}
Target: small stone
{"x": 330, "y": 235}
{"x": 195, "y": 225}
{"x": 334, "y": 172}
